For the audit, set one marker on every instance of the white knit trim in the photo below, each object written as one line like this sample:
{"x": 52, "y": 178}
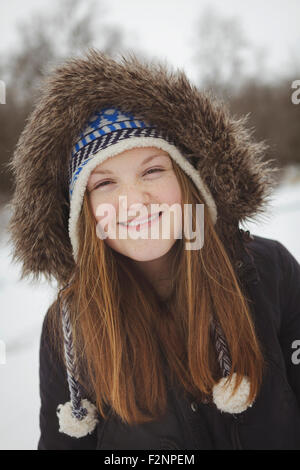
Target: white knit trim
{"x": 115, "y": 149}
{"x": 238, "y": 402}
{"x": 74, "y": 427}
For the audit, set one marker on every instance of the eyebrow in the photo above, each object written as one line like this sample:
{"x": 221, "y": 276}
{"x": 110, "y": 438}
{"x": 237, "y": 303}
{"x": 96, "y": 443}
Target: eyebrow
{"x": 103, "y": 172}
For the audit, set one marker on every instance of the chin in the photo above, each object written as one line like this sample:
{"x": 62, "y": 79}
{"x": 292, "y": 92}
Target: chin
{"x": 144, "y": 250}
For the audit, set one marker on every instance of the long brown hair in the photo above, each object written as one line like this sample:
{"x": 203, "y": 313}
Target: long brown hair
{"x": 129, "y": 343}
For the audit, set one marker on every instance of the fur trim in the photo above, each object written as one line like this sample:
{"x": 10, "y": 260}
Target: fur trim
{"x": 219, "y": 146}
{"x": 231, "y": 404}
{"x": 74, "y": 427}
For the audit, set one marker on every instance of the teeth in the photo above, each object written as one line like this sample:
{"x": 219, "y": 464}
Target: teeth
{"x": 131, "y": 224}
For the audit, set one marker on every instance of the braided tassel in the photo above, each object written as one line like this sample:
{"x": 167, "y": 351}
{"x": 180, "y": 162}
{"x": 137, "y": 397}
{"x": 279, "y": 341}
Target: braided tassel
{"x": 77, "y": 417}
{"x": 222, "y": 394}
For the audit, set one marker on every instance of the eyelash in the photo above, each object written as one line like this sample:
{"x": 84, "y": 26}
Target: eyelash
{"x": 103, "y": 182}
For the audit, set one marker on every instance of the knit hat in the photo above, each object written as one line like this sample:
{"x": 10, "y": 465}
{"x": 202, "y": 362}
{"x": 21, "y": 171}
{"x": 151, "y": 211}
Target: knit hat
{"x": 109, "y": 132}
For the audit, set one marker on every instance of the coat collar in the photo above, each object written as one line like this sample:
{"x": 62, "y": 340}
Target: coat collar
{"x": 245, "y": 264}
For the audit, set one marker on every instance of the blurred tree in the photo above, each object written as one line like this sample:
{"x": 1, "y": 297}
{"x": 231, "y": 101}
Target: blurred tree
{"x": 66, "y": 29}
{"x": 220, "y": 57}
{"x": 219, "y": 51}
{"x": 273, "y": 115}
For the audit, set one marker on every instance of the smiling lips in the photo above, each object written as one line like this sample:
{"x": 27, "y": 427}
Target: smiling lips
{"x": 141, "y": 222}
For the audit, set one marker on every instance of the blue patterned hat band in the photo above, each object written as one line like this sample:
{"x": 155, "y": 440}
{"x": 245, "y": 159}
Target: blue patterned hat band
{"x": 105, "y": 128}
{"x": 109, "y": 132}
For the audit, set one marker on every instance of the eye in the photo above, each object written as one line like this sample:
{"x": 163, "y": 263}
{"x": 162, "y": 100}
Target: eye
{"x": 105, "y": 183}
{"x": 153, "y": 169}
{"x": 101, "y": 184}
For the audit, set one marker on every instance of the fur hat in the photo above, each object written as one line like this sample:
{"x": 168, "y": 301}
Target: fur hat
{"x": 215, "y": 149}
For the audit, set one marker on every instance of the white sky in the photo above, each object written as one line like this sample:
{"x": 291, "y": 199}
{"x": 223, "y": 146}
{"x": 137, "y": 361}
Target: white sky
{"x": 165, "y": 28}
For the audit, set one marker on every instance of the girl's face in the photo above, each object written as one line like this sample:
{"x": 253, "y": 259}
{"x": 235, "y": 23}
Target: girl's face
{"x": 141, "y": 176}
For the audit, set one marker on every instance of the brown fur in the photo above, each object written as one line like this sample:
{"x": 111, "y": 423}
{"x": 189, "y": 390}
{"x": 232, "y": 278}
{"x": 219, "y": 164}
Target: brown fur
{"x": 229, "y": 161}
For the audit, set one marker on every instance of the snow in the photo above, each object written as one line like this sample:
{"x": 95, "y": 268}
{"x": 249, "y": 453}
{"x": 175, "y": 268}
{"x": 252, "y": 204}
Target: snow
{"x": 24, "y": 305}
{"x": 282, "y": 219}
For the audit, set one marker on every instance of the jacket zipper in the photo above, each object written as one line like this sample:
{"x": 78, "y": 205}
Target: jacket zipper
{"x": 235, "y": 435}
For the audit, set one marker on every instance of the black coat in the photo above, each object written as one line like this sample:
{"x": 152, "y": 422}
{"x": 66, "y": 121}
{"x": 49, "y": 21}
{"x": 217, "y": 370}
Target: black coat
{"x": 271, "y": 276}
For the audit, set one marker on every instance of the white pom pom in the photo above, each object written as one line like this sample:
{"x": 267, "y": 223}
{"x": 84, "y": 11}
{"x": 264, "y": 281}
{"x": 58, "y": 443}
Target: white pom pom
{"x": 238, "y": 402}
{"x": 74, "y": 427}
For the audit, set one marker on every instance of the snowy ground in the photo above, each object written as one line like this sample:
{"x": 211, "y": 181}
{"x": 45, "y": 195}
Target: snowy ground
{"x": 24, "y": 306}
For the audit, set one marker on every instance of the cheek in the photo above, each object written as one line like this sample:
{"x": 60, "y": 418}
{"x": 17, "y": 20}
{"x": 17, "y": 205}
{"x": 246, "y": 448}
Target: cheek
{"x": 171, "y": 195}
{"x": 169, "y": 191}
{"x": 93, "y": 203}
{"x": 103, "y": 212}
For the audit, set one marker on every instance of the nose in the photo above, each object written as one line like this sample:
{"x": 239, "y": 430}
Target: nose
{"x": 134, "y": 197}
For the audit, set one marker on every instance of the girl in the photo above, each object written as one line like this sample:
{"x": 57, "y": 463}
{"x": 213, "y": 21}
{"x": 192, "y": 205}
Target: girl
{"x": 154, "y": 341}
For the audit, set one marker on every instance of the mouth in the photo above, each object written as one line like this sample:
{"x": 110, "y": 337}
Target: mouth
{"x": 141, "y": 224}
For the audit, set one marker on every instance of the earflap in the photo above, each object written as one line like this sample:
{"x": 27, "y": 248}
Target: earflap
{"x": 222, "y": 391}
{"x": 77, "y": 417}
